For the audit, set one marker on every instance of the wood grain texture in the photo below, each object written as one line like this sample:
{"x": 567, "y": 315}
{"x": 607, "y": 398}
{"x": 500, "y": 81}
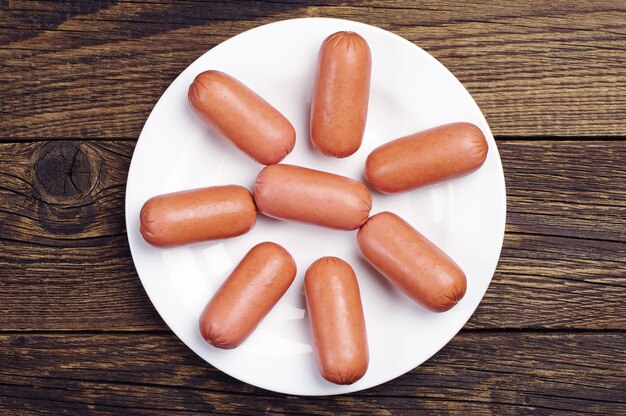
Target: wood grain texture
{"x": 63, "y": 243}
{"x": 62, "y": 193}
{"x": 566, "y": 188}
{"x": 78, "y": 334}
{"x": 541, "y": 282}
{"x": 63, "y": 239}
{"x": 573, "y": 189}
{"x": 94, "y": 69}
{"x": 520, "y": 373}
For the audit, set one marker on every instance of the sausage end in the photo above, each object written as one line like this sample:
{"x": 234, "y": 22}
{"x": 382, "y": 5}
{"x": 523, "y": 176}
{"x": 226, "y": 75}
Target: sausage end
{"x": 350, "y": 41}
{"x": 280, "y": 152}
{"x": 477, "y": 144}
{"x": 366, "y": 206}
{"x": 249, "y": 210}
{"x": 373, "y": 171}
{"x": 338, "y": 150}
{"x": 199, "y": 86}
{"x": 217, "y": 337}
{"x": 259, "y": 189}
{"x": 149, "y": 224}
{"x": 345, "y": 376}
{"x": 280, "y": 251}
{"x": 456, "y": 293}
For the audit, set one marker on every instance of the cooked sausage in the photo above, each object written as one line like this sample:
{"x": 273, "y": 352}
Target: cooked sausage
{"x": 197, "y": 215}
{"x": 248, "y": 294}
{"x": 242, "y": 116}
{"x": 340, "y": 94}
{"x": 410, "y": 261}
{"x": 337, "y": 323}
{"x": 426, "y": 157}
{"x": 306, "y": 195}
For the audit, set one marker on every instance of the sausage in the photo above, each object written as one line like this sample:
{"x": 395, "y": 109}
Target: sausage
{"x": 306, "y": 195}
{"x": 337, "y": 322}
{"x": 242, "y": 116}
{"x": 426, "y": 157}
{"x": 197, "y": 215}
{"x": 247, "y": 295}
{"x": 340, "y": 94}
{"x": 410, "y": 261}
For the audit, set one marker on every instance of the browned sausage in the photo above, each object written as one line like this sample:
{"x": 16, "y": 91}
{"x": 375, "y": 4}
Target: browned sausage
{"x": 410, "y": 261}
{"x": 340, "y": 94}
{"x": 247, "y": 295}
{"x": 197, "y": 215}
{"x": 337, "y": 323}
{"x": 242, "y": 116}
{"x": 426, "y": 157}
{"x": 306, "y": 195}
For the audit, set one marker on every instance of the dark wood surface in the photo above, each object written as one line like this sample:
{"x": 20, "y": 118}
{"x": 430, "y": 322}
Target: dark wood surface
{"x": 79, "y": 335}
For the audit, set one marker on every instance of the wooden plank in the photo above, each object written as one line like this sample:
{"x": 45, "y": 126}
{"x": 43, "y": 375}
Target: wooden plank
{"x": 93, "y": 287}
{"x": 476, "y": 373}
{"x": 63, "y": 247}
{"x": 65, "y": 262}
{"x": 560, "y": 188}
{"x": 554, "y": 282}
{"x": 63, "y": 193}
{"x": 541, "y": 282}
{"x": 95, "y": 69}
{"x": 566, "y": 188}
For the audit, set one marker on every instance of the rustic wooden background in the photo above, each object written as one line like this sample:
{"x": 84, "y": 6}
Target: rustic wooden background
{"x": 77, "y": 332}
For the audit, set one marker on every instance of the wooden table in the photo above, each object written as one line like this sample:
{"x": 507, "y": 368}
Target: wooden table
{"x": 78, "y": 333}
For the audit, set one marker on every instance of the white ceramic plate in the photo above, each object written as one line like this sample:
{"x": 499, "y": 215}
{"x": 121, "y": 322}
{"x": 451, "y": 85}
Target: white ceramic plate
{"x": 410, "y": 91}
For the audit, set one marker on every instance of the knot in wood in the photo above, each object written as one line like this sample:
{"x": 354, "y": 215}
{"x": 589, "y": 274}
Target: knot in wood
{"x": 19, "y": 341}
{"x": 63, "y": 172}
